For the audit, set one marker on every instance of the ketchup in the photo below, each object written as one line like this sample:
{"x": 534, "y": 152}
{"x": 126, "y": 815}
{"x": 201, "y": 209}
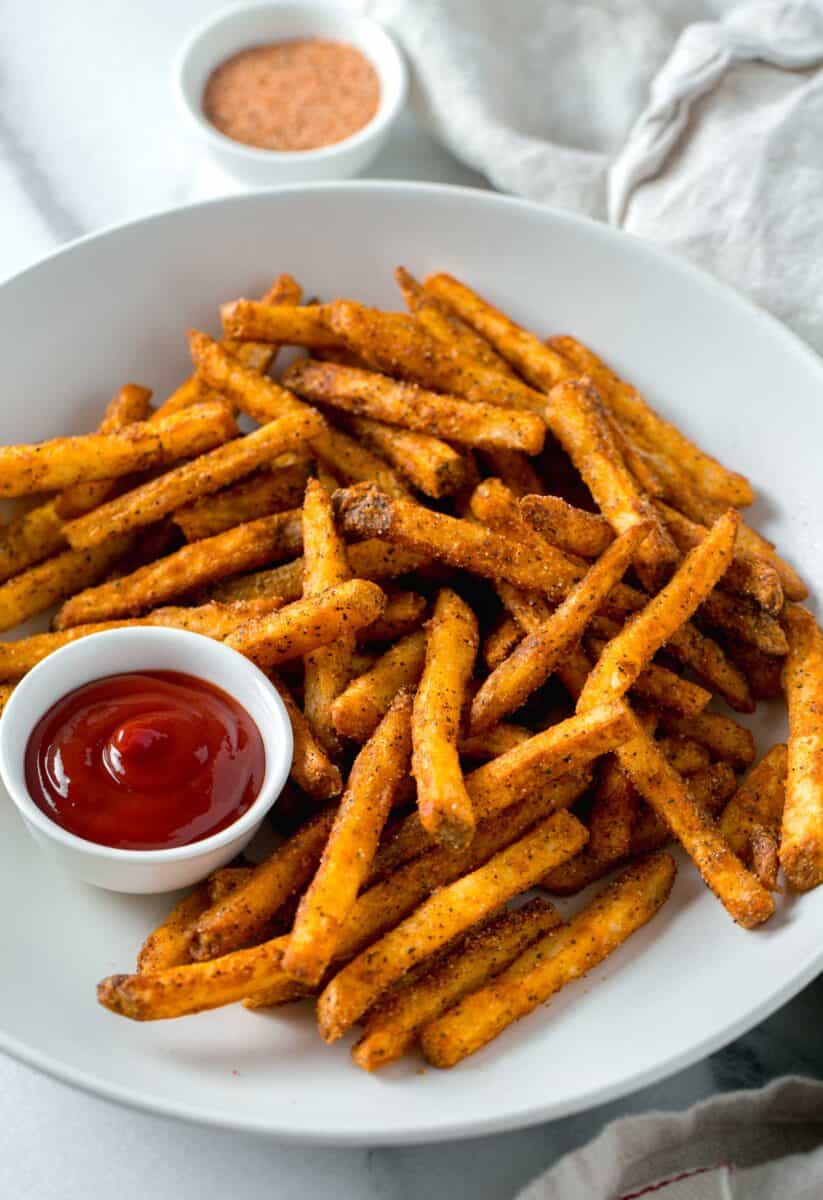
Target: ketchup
{"x": 145, "y": 761}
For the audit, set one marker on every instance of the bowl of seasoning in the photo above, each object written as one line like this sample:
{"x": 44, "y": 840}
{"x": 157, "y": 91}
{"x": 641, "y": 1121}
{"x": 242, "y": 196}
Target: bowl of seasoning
{"x": 144, "y": 758}
{"x": 284, "y": 92}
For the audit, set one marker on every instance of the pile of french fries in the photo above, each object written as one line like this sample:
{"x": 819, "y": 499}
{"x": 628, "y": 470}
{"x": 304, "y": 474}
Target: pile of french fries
{"x": 497, "y": 592}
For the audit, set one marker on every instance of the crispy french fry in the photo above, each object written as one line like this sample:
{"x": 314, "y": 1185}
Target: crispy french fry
{"x": 256, "y": 395}
{"x": 661, "y": 688}
{"x": 378, "y": 770}
{"x": 722, "y": 736}
{"x": 613, "y": 815}
{"x": 369, "y": 394}
{"x": 358, "y": 710}
{"x": 365, "y": 512}
{"x": 129, "y": 404}
{"x": 392, "y": 1027}
{"x": 501, "y": 641}
{"x": 744, "y": 620}
{"x": 188, "y": 569}
{"x": 753, "y": 815}
{"x": 201, "y": 476}
{"x": 801, "y": 843}
{"x": 763, "y": 672}
{"x": 6, "y": 690}
{"x": 306, "y": 624}
{"x": 226, "y": 880}
{"x": 402, "y": 615}
{"x": 40, "y": 587}
{"x": 260, "y": 495}
{"x": 575, "y": 416}
{"x": 572, "y": 529}
{"x": 61, "y": 462}
{"x": 242, "y": 916}
{"x": 443, "y": 802}
{"x": 351, "y": 462}
{"x": 430, "y": 464}
{"x": 685, "y": 755}
{"x": 168, "y": 944}
{"x": 514, "y": 469}
{"x": 30, "y": 538}
{"x": 285, "y": 324}
{"x": 328, "y": 667}
{"x": 311, "y": 768}
{"x": 498, "y": 740}
{"x": 563, "y": 955}
{"x": 444, "y": 916}
{"x": 533, "y": 661}
{"x": 400, "y": 346}
{"x": 627, "y": 655}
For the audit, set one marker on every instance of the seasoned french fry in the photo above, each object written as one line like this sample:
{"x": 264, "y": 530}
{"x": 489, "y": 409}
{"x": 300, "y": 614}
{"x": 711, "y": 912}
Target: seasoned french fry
{"x": 495, "y": 741}
{"x": 212, "y": 620}
{"x": 747, "y": 621}
{"x": 311, "y": 768}
{"x": 358, "y": 710}
{"x": 430, "y": 464}
{"x": 260, "y": 495}
{"x": 40, "y": 587}
{"x": 685, "y": 755}
{"x": 444, "y": 916}
{"x": 61, "y": 462}
{"x": 533, "y": 661}
{"x": 168, "y": 944}
{"x": 256, "y": 395}
{"x": 242, "y": 916}
{"x": 369, "y": 394}
{"x": 392, "y": 1027}
{"x": 722, "y": 736}
{"x": 31, "y": 538}
{"x": 6, "y": 690}
{"x": 227, "y": 880}
{"x": 306, "y": 624}
{"x": 400, "y": 346}
{"x": 563, "y": 955}
{"x": 129, "y": 404}
{"x": 661, "y": 688}
{"x": 613, "y": 815}
{"x": 379, "y": 769}
{"x": 188, "y": 569}
{"x": 626, "y": 656}
{"x": 763, "y": 672}
{"x": 350, "y": 462}
{"x": 753, "y": 816}
{"x": 501, "y": 641}
{"x": 402, "y": 615}
{"x": 364, "y": 512}
{"x": 158, "y": 497}
{"x": 443, "y": 802}
{"x": 575, "y": 416}
{"x": 801, "y": 843}
{"x": 288, "y": 325}
{"x": 514, "y": 469}
{"x": 572, "y": 529}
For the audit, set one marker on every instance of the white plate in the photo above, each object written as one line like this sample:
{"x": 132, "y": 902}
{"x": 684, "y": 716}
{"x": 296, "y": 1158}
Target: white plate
{"x": 115, "y": 307}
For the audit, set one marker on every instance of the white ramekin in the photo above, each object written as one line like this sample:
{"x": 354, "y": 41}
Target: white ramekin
{"x": 239, "y": 28}
{"x": 143, "y": 648}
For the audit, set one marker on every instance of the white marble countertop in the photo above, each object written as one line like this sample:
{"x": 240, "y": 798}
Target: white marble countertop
{"x": 87, "y": 137}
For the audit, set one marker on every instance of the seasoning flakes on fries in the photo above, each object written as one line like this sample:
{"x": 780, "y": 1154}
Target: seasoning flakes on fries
{"x": 388, "y": 544}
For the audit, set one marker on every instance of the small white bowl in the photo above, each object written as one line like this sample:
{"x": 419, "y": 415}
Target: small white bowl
{"x": 143, "y": 648}
{"x": 234, "y": 29}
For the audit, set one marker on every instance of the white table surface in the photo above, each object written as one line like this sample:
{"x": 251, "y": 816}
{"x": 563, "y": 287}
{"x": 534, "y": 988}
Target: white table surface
{"x": 87, "y": 137}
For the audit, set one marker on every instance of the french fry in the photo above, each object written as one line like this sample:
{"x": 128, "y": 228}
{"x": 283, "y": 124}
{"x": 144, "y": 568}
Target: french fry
{"x": 306, "y": 624}
{"x": 444, "y": 916}
{"x": 402, "y": 615}
{"x": 514, "y": 469}
{"x": 801, "y": 843}
{"x": 533, "y": 661}
{"x": 501, "y": 641}
{"x": 31, "y": 538}
{"x": 685, "y": 755}
{"x": 572, "y": 529}
{"x": 400, "y": 346}
{"x": 661, "y": 688}
{"x": 48, "y": 583}
{"x": 430, "y": 464}
{"x": 168, "y": 944}
{"x": 364, "y": 512}
{"x": 369, "y": 394}
{"x": 201, "y": 476}
{"x": 495, "y": 741}
{"x": 563, "y": 955}
{"x": 763, "y": 672}
{"x": 392, "y": 1027}
{"x": 752, "y": 818}
{"x": 263, "y": 493}
{"x": 241, "y": 917}
{"x": 183, "y": 572}
{"x": 129, "y": 404}
{"x": 358, "y": 710}
{"x": 377, "y": 772}
{"x": 741, "y": 618}
{"x": 328, "y": 668}
{"x": 61, "y": 462}
{"x": 351, "y": 462}
{"x": 6, "y": 690}
{"x": 613, "y": 815}
{"x": 288, "y": 325}
{"x": 626, "y": 656}
{"x": 575, "y": 416}
{"x": 311, "y": 768}
{"x": 227, "y": 880}
{"x": 722, "y": 736}
{"x": 443, "y": 802}
{"x": 212, "y": 620}
{"x": 259, "y": 397}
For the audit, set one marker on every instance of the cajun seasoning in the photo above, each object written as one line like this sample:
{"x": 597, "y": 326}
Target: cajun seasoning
{"x": 292, "y": 95}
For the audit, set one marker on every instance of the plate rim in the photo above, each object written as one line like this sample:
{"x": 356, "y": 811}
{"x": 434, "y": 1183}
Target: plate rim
{"x": 530, "y": 1114}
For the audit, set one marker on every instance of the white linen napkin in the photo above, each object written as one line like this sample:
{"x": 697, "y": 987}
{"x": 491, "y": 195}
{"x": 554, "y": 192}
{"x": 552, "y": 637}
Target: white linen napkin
{"x": 693, "y": 123}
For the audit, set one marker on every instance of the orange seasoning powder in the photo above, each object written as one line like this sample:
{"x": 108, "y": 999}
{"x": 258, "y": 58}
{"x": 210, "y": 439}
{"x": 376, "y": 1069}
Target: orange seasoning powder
{"x": 294, "y": 95}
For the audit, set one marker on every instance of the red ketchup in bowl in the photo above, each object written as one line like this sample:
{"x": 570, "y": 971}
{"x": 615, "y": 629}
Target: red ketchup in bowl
{"x": 145, "y": 761}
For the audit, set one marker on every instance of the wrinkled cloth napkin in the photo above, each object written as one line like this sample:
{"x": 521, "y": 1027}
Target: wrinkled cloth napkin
{"x": 693, "y": 123}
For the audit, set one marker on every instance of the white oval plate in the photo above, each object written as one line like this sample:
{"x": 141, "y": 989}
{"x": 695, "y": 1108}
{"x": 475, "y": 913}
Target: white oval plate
{"x": 115, "y": 307}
